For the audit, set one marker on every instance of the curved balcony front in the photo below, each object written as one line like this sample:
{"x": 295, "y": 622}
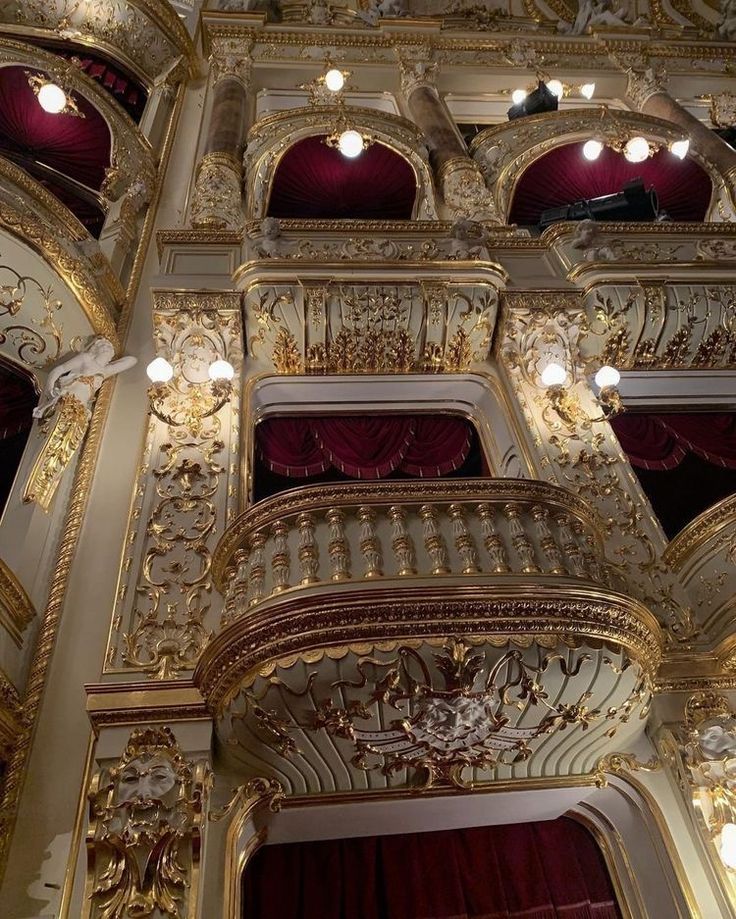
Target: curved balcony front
{"x": 445, "y": 631}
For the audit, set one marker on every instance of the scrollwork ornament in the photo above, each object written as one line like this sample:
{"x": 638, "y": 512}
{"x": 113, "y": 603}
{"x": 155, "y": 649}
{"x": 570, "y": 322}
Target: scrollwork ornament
{"x": 216, "y": 201}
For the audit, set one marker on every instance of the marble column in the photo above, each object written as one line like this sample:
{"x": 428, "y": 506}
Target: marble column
{"x": 216, "y": 201}
{"x": 458, "y": 176}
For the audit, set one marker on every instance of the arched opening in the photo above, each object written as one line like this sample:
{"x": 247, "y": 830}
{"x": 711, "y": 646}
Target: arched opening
{"x": 18, "y": 398}
{"x": 563, "y": 176}
{"x": 65, "y": 153}
{"x": 313, "y": 180}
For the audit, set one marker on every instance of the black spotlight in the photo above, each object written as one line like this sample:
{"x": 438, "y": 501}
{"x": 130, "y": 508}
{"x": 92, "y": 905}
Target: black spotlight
{"x": 633, "y": 202}
{"x": 541, "y": 99}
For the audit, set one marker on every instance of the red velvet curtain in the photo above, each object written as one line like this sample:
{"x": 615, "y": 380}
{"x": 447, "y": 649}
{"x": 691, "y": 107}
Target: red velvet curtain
{"x": 364, "y": 447}
{"x": 564, "y": 176}
{"x": 314, "y": 180}
{"x": 549, "y": 870}
{"x": 662, "y": 441}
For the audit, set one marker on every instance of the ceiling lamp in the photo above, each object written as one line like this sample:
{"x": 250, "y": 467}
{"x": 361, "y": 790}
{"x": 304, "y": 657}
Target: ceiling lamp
{"x": 680, "y": 148}
{"x": 592, "y": 149}
{"x": 334, "y": 80}
{"x": 350, "y": 143}
{"x": 518, "y": 96}
{"x": 637, "y": 149}
{"x": 587, "y": 90}
{"x": 52, "y": 98}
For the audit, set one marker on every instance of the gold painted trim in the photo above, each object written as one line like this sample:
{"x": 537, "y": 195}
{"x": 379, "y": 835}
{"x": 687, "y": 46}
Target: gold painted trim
{"x": 134, "y": 702}
{"x": 703, "y": 529}
{"x": 16, "y": 609}
{"x": 11, "y": 716}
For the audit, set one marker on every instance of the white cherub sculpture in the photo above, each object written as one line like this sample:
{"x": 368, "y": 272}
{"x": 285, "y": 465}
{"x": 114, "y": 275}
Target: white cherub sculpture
{"x": 469, "y": 239}
{"x": 726, "y": 25}
{"x": 597, "y": 13}
{"x": 587, "y": 240}
{"x": 81, "y": 375}
{"x": 272, "y": 244}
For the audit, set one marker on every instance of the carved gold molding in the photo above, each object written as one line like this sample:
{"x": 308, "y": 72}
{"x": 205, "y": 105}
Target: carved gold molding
{"x": 16, "y": 609}
{"x": 135, "y": 702}
{"x": 703, "y": 529}
{"x": 11, "y": 719}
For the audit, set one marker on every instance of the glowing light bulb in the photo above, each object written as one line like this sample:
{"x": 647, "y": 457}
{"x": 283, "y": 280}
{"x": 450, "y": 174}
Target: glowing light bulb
{"x": 587, "y": 90}
{"x": 160, "y": 370}
{"x": 607, "y": 376}
{"x": 636, "y": 149}
{"x": 518, "y": 95}
{"x": 592, "y": 149}
{"x": 728, "y": 845}
{"x": 334, "y": 80}
{"x": 556, "y": 88}
{"x": 680, "y": 147}
{"x": 221, "y": 370}
{"x": 553, "y": 375}
{"x": 52, "y": 98}
{"x": 350, "y": 144}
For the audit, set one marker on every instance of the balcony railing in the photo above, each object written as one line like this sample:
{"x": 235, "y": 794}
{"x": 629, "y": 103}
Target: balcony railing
{"x": 341, "y": 534}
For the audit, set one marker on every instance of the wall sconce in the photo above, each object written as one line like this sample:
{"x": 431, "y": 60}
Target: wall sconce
{"x": 636, "y": 149}
{"x": 326, "y": 89}
{"x": 51, "y": 95}
{"x": 566, "y": 403}
{"x": 346, "y": 138}
{"x": 186, "y": 403}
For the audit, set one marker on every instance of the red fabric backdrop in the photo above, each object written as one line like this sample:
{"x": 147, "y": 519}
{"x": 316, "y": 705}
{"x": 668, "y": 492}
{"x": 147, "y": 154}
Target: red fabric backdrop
{"x": 550, "y": 870}
{"x": 314, "y": 180}
{"x": 663, "y": 441}
{"x": 364, "y": 447}
{"x": 564, "y": 176}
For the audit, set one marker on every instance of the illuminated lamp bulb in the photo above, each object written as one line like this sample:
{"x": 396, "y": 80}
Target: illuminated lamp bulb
{"x": 607, "y": 377}
{"x": 587, "y": 90}
{"x": 592, "y": 149}
{"x": 636, "y": 149}
{"x": 553, "y": 375}
{"x": 221, "y": 370}
{"x": 52, "y": 98}
{"x": 160, "y": 370}
{"x": 679, "y": 148}
{"x": 556, "y": 88}
{"x": 334, "y": 80}
{"x": 728, "y": 845}
{"x": 518, "y": 96}
{"x": 350, "y": 144}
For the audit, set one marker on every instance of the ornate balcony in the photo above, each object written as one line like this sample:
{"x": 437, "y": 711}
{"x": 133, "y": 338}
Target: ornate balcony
{"x": 478, "y": 612}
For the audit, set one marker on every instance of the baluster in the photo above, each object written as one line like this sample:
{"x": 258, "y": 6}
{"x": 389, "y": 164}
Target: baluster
{"x": 236, "y": 598}
{"x": 369, "y": 544}
{"x": 281, "y": 557}
{"x": 547, "y": 540}
{"x": 519, "y": 539}
{"x": 434, "y": 542}
{"x": 571, "y": 549}
{"x": 257, "y": 573}
{"x": 464, "y": 541}
{"x": 402, "y": 543}
{"x": 338, "y": 547}
{"x": 308, "y": 551}
{"x": 492, "y": 541}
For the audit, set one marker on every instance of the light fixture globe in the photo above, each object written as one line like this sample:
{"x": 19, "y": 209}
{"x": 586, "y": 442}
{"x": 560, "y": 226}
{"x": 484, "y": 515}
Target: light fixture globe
{"x": 607, "y": 377}
{"x": 518, "y": 96}
{"x": 587, "y": 90}
{"x": 637, "y": 149}
{"x": 679, "y": 148}
{"x": 334, "y": 80}
{"x": 553, "y": 375}
{"x": 159, "y": 370}
{"x": 350, "y": 143}
{"x": 556, "y": 88}
{"x": 592, "y": 149}
{"x": 52, "y": 98}
{"x": 221, "y": 370}
{"x": 727, "y": 848}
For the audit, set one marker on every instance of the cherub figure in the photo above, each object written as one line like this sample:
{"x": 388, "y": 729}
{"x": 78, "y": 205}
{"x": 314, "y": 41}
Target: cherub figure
{"x": 272, "y": 244}
{"x": 726, "y": 25}
{"x": 598, "y": 13}
{"x": 587, "y": 240}
{"x": 468, "y": 239}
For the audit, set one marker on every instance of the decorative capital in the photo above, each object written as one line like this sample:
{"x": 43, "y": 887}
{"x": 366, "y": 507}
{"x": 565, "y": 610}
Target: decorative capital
{"x": 416, "y": 69}
{"x": 231, "y": 59}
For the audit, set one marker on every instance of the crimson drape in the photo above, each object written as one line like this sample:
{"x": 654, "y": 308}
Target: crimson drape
{"x": 546, "y": 870}
{"x": 564, "y": 176}
{"x": 314, "y": 180}
{"x": 662, "y": 441}
{"x": 364, "y": 447}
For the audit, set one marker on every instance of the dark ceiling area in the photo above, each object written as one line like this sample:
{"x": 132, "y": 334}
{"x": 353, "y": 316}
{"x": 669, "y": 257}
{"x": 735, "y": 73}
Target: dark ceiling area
{"x": 563, "y": 176}
{"x": 316, "y": 181}
{"x": 18, "y": 400}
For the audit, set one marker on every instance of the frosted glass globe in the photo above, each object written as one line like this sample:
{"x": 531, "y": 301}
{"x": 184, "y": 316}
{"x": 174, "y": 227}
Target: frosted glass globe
{"x": 334, "y": 80}
{"x": 221, "y": 370}
{"x": 52, "y": 98}
{"x": 679, "y": 148}
{"x": 607, "y": 376}
{"x": 556, "y": 88}
{"x": 350, "y": 144}
{"x": 636, "y": 149}
{"x": 160, "y": 370}
{"x": 553, "y": 375}
{"x": 728, "y": 845}
{"x": 592, "y": 149}
{"x": 518, "y": 95}
{"x": 587, "y": 90}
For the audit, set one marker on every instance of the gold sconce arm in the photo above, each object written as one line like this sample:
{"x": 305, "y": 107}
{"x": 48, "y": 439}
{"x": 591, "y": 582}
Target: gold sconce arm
{"x": 188, "y": 408}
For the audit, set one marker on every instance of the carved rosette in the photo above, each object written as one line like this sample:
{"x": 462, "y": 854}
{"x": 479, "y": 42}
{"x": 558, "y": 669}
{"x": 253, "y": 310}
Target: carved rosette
{"x": 146, "y": 818}
{"x": 216, "y": 202}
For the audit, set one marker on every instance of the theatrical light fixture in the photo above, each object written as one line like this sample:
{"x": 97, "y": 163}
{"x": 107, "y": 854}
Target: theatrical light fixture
{"x": 637, "y": 149}
{"x": 634, "y": 202}
{"x": 334, "y": 80}
{"x": 179, "y": 401}
{"x": 727, "y": 849}
{"x": 541, "y": 99}
{"x": 679, "y": 148}
{"x": 592, "y": 149}
{"x": 587, "y": 90}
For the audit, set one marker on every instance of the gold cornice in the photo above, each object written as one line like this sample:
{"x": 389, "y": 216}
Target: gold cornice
{"x": 163, "y": 15}
{"x": 16, "y": 609}
{"x": 658, "y": 230}
{"x": 702, "y": 529}
{"x": 424, "y": 491}
{"x": 199, "y": 236}
{"x": 36, "y": 230}
{"x": 497, "y": 605}
{"x": 133, "y": 702}
{"x": 356, "y": 113}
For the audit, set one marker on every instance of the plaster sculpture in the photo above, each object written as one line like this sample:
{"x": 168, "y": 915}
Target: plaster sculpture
{"x": 587, "y": 240}
{"x": 593, "y": 13}
{"x": 468, "y": 239}
{"x": 726, "y": 25}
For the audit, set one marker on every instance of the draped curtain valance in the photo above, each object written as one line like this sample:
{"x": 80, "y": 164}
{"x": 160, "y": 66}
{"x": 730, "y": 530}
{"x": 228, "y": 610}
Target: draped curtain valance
{"x": 662, "y": 441}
